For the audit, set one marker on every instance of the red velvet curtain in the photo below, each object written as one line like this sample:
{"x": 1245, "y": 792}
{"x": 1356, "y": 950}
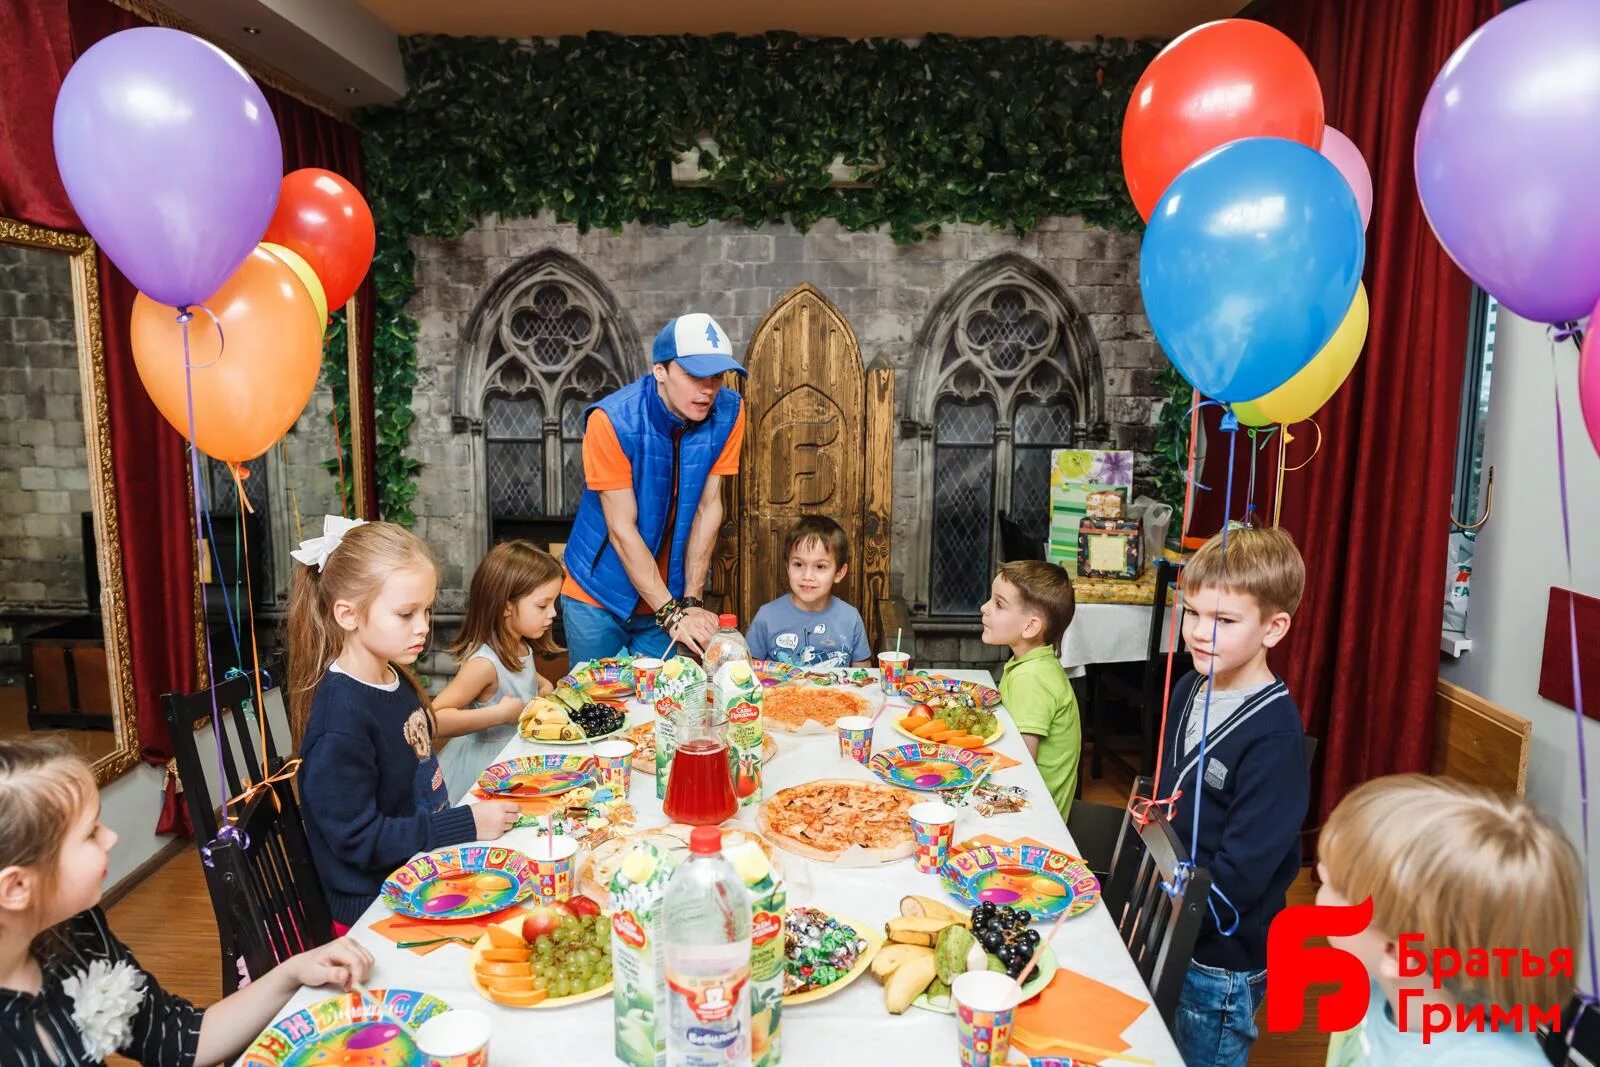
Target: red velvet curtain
{"x": 1370, "y": 511}
{"x": 156, "y": 538}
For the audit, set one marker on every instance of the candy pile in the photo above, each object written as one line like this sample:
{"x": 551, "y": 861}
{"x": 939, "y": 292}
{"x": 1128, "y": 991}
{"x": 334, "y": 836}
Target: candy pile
{"x": 818, "y": 950}
{"x": 988, "y": 798}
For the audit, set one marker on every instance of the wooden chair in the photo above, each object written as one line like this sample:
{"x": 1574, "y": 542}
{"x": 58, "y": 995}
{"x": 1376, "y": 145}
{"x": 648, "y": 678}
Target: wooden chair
{"x": 1158, "y": 917}
{"x": 1577, "y": 1043}
{"x": 264, "y": 888}
{"x": 1142, "y": 693}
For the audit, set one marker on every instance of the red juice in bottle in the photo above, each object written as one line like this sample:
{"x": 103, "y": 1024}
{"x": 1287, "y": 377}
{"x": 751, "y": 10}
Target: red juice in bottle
{"x": 700, "y": 787}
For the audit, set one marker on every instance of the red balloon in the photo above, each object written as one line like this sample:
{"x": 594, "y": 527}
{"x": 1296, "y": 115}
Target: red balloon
{"x": 1216, "y": 83}
{"x": 323, "y": 218}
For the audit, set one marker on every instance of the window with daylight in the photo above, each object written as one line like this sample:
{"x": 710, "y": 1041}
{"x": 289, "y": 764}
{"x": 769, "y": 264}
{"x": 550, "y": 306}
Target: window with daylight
{"x": 1010, "y": 371}
{"x": 545, "y": 342}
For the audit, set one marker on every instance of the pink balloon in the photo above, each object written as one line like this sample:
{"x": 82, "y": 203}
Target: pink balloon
{"x": 1589, "y": 379}
{"x": 1343, "y": 154}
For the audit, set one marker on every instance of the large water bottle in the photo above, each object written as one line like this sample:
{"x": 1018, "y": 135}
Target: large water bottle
{"x": 705, "y": 920}
{"x": 725, "y": 646}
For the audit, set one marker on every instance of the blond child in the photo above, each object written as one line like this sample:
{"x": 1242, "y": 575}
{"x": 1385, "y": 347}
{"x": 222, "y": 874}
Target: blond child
{"x": 58, "y": 957}
{"x": 810, "y": 627}
{"x": 371, "y": 787}
{"x": 1253, "y": 788}
{"x": 1466, "y": 869}
{"x": 1029, "y": 608}
{"x": 510, "y": 607}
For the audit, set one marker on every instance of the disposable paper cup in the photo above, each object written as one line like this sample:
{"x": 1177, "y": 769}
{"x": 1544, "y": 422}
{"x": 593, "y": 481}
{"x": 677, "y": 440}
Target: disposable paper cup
{"x": 933, "y": 828}
{"x": 893, "y": 666}
{"x": 457, "y": 1038}
{"x": 614, "y": 770}
{"x": 985, "y": 1002}
{"x": 645, "y": 672}
{"x": 855, "y": 737}
{"x": 552, "y": 864}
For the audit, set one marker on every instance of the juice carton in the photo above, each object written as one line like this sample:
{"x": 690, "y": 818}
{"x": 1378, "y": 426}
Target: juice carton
{"x": 768, "y": 897}
{"x": 638, "y": 958}
{"x": 681, "y": 683}
{"x": 738, "y": 692}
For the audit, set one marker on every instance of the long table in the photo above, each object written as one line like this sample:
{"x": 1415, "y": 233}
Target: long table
{"x": 852, "y": 1022}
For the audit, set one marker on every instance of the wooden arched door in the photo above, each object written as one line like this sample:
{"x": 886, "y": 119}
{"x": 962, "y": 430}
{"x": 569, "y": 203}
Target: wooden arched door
{"x": 818, "y": 441}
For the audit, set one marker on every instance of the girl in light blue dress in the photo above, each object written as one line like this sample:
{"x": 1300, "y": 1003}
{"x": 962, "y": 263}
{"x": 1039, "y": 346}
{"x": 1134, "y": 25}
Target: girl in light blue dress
{"x": 510, "y": 608}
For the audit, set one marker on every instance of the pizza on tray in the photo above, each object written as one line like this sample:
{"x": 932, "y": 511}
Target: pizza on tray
{"x": 596, "y": 868}
{"x": 790, "y": 707}
{"x": 822, "y": 820}
{"x": 643, "y": 737}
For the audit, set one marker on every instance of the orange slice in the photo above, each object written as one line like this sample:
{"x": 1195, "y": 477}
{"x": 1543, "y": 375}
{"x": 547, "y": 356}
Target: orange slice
{"x": 500, "y": 937}
{"x": 512, "y": 985}
{"x": 930, "y": 727}
{"x": 964, "y": 741}
{"x": 506, "y": 955}
{"x": 507, "y": 970}
{"x": 518, "y": 1000}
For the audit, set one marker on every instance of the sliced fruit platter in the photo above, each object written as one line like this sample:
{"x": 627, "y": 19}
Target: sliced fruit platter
{"x": 930, "y": 943}
{"x": 958, "y": 726}
{"x": 939, "y": 691}
{"x": 568, "y": 717}
{"x": 823, "y": 953}
{"x": 643, "y": 737}
{"x": 557, "y": 954}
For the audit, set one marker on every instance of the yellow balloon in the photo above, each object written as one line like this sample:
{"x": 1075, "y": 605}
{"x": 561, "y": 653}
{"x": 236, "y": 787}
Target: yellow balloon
{"x": 308, "y": 278}
{"x": 1314, "y": 384}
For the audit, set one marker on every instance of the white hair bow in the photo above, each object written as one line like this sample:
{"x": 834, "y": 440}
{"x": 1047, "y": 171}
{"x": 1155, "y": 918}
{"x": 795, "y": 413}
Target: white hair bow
{"x": 315, "y": 552}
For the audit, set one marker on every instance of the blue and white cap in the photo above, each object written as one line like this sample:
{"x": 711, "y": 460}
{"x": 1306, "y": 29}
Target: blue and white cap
{"x": 698, "y": 343}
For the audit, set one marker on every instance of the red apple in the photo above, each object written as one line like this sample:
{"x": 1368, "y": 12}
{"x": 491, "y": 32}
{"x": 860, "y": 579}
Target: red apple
{"x": 921, "y": 711}
{"x": 565, "y": 907}
{"x": 582, "y": 906}
{"x": 542, "y": 920}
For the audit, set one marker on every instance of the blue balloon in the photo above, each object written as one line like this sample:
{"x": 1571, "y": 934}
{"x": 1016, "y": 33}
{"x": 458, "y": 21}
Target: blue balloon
{"x": 1249, "y": 263}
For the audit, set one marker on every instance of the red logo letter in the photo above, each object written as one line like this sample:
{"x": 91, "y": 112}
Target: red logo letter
{"x": 1292, "y": 966}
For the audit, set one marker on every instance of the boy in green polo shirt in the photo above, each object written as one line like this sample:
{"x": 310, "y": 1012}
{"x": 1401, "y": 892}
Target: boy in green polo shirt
{"x": 1030, "y": 606}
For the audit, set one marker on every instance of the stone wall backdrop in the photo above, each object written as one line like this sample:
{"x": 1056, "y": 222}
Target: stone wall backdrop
{"x": 1004, "y": 346}
{"x": 44, "y": 475}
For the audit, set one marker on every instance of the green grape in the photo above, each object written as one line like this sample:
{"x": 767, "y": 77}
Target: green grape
{"x": 596, "y": 981}
{"x": 560, "y": 988}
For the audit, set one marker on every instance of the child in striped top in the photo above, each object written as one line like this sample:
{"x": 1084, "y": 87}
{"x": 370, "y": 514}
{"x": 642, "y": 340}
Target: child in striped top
{"x": 71, "y": 994}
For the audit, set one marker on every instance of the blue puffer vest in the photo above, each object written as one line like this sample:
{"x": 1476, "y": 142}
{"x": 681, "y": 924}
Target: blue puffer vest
{"x": 647, "y": 432}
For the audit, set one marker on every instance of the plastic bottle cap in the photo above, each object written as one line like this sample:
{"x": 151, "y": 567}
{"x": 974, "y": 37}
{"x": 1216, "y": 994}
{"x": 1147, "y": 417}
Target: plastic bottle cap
{"x": 728, "y": 622}
{"x": 705, "y": 840}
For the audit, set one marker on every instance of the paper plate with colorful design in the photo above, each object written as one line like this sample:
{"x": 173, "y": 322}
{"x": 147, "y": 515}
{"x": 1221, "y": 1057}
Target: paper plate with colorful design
{"x": 604, "y": 680}
{"x": 932, "y": 688}
{"x": 1040, "y": 881}
{"x": 348, "y": 1030}
{"x": 536, "y": 776}
{"x": 460, "y": 883}
{"x": 927, "y": 766}
{"x": 771, "y": 672}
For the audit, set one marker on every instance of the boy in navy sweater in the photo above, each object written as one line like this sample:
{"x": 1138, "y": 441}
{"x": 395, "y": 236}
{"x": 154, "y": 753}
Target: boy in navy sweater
{"x": 1234, "y": 749}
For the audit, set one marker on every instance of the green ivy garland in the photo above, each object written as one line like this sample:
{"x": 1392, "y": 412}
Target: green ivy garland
{"x": 1003, "y": 131}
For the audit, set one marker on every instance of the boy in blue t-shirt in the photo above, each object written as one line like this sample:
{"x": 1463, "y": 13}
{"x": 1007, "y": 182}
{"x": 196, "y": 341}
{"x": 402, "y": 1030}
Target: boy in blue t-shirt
{"x": 811, "y": 627}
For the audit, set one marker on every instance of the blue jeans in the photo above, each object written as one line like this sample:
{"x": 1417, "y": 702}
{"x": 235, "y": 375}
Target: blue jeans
{"x": 1216, "y": 1019}
{"x": 595, "y": 633}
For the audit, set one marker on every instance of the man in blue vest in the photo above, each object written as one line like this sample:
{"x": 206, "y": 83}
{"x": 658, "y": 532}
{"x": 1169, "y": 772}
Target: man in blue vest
{"x": 654, "y": 456}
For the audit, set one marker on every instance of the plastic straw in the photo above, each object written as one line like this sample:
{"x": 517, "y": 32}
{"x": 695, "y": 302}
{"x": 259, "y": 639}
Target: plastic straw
{"x": 898, "y": 631}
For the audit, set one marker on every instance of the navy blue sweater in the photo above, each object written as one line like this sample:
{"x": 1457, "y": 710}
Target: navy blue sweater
{"x": 371, "y": 788}
{"x": 1253, "y": 794}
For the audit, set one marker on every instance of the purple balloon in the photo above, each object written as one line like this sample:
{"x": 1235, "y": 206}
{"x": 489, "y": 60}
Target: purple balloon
{"x": 1507, "y": 156}
{"x": 171, "y": 157}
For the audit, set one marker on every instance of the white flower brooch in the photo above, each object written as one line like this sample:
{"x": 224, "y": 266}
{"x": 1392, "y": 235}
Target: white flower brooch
{"x": 105, "y": 998}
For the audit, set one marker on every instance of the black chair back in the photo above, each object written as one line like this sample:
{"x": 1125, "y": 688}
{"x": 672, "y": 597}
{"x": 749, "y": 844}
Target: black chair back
{"x": 1158, "y": 917}
{"x": 1577, "y": 1044}
{"x": 263, "y": 886}
{"x": 1145, "y": 692}
{"x": 1015, "y": 543}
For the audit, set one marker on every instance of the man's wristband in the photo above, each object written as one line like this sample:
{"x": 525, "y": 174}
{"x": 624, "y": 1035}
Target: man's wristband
{"x": 670, "y": 614}
{"x": 691, "y": 602}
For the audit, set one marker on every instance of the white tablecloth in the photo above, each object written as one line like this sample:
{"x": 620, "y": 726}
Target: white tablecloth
{"x": 1109, "y": 633}
{"x": 853, "y": 1022}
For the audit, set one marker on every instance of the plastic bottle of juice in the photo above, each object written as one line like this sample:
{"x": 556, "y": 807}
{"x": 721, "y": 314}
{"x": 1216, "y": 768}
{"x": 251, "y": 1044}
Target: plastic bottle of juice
{"x": 739, "y": 697}
{"x": 705, "y": 919}
{"x": 725, "y": 646}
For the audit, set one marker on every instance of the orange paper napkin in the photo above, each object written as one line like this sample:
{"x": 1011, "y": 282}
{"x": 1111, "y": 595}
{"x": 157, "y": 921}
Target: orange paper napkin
{"x": 1076, "y": 1016}
{"x": 529, "y": 805}
{"x": 1001, "y": 760}
{"x": 995, "y": 842}
{"x": 399, "y": 928}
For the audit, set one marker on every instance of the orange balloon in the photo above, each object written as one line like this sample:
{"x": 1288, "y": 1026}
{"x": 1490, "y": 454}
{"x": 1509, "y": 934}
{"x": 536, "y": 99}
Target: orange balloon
{"x": 252, "y": 382}
{"x": 1216, "y": 83}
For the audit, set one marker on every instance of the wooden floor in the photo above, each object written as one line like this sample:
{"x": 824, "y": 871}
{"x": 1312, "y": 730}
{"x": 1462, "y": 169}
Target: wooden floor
{"x": 167, "y": 921}
{"x": 93, "y": 744}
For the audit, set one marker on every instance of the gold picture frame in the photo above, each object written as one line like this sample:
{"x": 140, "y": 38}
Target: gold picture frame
{"x": 81, "y": 251}
{"x": 358, "y": 455}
